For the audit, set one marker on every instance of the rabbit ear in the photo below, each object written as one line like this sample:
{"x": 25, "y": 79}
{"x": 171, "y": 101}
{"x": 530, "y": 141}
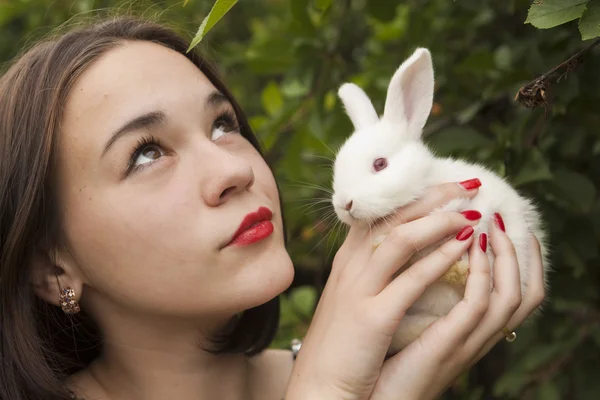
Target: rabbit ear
{"x": 410, "y": 92}
{"x": 358, "y": 106}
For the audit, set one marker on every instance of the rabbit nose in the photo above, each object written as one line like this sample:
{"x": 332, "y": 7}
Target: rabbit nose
{"x": 349, "y": 205}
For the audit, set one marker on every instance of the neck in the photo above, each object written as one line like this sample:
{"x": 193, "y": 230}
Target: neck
{"x": 157, "y": 359}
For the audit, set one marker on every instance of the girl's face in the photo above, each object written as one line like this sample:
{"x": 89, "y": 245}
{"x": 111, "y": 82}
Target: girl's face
{"x": 154, "y": 182}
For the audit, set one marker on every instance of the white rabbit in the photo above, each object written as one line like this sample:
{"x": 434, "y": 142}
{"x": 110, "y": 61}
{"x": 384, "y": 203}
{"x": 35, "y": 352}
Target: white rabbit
{"x": 384, "y": 165}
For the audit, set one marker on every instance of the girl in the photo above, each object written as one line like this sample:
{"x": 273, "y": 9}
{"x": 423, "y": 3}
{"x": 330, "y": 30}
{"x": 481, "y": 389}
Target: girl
{"x": 143, "y": 248}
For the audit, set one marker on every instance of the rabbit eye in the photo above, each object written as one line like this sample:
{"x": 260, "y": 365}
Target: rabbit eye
{"x": 379, "y": 164}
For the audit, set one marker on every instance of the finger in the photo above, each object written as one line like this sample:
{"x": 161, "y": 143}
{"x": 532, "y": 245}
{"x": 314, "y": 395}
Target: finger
{"x": 404, "y": 241}
{"x": 537, "y": 282}
{"x": 407, "y": 287}
{"x": 434, "y": 197}
{"x": 506, "y": 297}
{"x": 464, "y": 318}
{"x": 507, "y": 279}
{"x": 347, "y": 251}
{"x": 444, "y": 335}
{"x": 533, "y": 299}
{"x": 357, "y": 246}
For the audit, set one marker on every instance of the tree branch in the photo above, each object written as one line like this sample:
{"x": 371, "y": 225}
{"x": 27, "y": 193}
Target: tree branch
{"x": 533, "y": 94}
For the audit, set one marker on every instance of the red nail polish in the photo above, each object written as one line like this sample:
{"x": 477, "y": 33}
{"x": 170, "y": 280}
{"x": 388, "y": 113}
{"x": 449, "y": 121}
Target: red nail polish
{"x": 471, "y": 215}
{"x": 465, "y": 233}
{"x": 499, "y": 222}
{"x": 470, "y": 184}
{"x": 483, "y": 242}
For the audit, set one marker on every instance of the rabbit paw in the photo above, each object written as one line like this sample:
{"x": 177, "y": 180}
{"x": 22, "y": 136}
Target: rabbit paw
{"x": 457, "y": 273}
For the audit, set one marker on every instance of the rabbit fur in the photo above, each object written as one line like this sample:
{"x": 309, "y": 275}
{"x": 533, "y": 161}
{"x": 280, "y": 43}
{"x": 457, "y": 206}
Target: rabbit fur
{"x": 411, "y": 168}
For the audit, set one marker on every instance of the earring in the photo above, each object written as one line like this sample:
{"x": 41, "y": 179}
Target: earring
{"x": 67, "y": 301}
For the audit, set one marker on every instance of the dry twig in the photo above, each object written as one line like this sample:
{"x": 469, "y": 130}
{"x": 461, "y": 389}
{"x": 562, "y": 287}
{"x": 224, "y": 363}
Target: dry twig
{"x": 533, "y": 94}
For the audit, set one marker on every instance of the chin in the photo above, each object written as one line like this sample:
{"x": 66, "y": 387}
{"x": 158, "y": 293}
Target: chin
{"x": 279, "y": 273}
{"x": 266, "y": 277}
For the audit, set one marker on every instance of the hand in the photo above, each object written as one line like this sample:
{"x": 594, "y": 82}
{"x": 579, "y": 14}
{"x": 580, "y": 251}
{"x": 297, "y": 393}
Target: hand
{"x": 344, "y": 350}
{"x": 454, "y": 343}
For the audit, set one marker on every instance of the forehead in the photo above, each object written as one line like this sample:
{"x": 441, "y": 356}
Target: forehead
{"x": 130, "y": 79}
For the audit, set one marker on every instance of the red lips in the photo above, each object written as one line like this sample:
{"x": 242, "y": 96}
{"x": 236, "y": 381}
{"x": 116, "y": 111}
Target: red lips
{"x": 255, "y": 227}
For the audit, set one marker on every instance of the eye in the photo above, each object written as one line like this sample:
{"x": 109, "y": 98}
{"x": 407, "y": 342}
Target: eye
{"x": 148, "y": 150}
{"x": 379, "y": 164}
{"x": 147, "y": 154}
{"x": 224, "y": 124}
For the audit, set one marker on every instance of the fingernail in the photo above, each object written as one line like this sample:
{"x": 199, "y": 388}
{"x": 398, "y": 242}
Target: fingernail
{"x": 499, "y": 222}
{"x": 483, "y": 242}
{"x": 465, "y": 233}
{"x": 470, "y": 184}
{"x": 471, "y": 215}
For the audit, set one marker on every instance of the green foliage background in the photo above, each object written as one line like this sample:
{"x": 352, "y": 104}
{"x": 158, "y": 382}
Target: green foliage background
{"x": 285, "y": 59}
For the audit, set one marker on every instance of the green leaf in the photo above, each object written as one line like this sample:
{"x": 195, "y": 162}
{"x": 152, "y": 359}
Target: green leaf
{"x": 10, "y": 11}
{"x": 575, "y": 188}
{"x": 274, "y": 126}
{"x": 257, "y": 122}
{"x": 300, "y": 14}
{"x": 545, "y": 14}
{"x": 589, "y": 24}
{"x": 322, "y": 4}
{"x": 454, "y": 139}
{"x": 271, "y": 98}
{"x": 288, "y": 316}
{"x": 475, "y": 394}
{"x": 383, "y": 10}
{"x": 595, "y": 215}
{"x": 329, "y": 100}
{"x": 503, "y": 57}
{"x": 541, "y": 354}
{"x": 478, "y": 61}
{"x": 469, "y": 112}
{"x": 566, "y": 305}
{"x": 219, "y": 9}
{"x": 534, "y": 169}
{"x": 579, "y": 233}
{"x": 297, "y": 85}
{"x": 573, "y": 260}
{"x": 548, "y": 391}
{"x": 510, "y": 383}
{"x": 304, "y": 299}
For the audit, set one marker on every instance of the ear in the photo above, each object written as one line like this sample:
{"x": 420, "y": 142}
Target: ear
{"x": 358, "y": 106}
{"x": 49, "y": 275}
{"x": 410, "y": 92}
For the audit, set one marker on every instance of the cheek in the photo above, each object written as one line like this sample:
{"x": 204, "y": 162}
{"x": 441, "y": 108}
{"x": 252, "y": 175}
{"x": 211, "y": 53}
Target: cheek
{"x": 148, "y": 253}
{"x": 135, "y": 235}
{"x": 264, "y": 177}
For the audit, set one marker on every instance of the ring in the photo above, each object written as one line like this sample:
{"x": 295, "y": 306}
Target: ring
{"x": 510, "y": 336}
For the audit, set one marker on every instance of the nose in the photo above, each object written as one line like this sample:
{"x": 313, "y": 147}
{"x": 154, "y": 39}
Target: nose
{"x": 229, "y": 177}
{"x": 349, "y": 205}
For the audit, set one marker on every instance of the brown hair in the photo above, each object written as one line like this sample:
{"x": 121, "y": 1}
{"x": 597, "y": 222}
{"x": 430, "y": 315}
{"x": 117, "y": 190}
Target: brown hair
{"x": 40, "y": 345}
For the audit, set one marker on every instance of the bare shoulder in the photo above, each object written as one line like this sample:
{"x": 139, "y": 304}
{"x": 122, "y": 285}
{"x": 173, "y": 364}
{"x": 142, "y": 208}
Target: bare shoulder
{"x": 271, "y": 372}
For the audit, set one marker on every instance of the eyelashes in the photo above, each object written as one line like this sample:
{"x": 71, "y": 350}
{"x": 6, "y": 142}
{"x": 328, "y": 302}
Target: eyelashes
{"x": 143, "y": 144}
{"x": 228, "y": 119}
{"x": 224, "y": 123}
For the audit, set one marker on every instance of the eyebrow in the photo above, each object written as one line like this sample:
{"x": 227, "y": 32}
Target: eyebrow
{"x": 147, "y": 120}
{"x": 154, "y": 118}
{"x": 215, "y": 99}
